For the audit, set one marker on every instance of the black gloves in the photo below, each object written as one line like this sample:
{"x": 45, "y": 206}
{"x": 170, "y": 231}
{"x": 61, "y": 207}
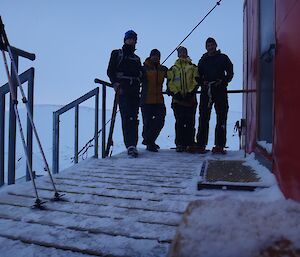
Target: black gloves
{"x": 178, "y": 97}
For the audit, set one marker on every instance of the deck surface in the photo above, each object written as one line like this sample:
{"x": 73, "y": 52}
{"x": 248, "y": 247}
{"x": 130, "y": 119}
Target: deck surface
{"x": 118, "y": 206}
{"x": 113, "y": 207}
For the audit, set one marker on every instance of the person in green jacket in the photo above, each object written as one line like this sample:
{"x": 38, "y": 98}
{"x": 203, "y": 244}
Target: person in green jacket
{"x": 182, "y": 86}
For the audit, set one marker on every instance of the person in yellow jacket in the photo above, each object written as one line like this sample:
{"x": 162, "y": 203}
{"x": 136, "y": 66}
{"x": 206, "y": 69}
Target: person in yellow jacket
{"x": 152, "y": 100}
{"x": 182, "y": 86}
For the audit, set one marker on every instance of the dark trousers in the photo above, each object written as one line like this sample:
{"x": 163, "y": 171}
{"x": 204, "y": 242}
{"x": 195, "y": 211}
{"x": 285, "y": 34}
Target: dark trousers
{"x": 129, "y": 101}
{"x": 220, "y": 101}
{"x": 184, "y": 124}
{"x": 153, "y": 121}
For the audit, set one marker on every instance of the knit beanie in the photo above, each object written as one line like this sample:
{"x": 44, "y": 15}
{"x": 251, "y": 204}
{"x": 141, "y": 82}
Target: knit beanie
{"x": 155, "y": 52}
{"x": 130, "y": 34}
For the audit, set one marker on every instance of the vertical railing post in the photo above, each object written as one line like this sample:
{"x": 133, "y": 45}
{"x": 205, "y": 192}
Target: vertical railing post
{"x": 29, "y": 127}
{"x": 76, "y": 134}
{"x": 55, "y": 153}
{"x": 12, "y": 129}
{"x": 2, "y": 137}
{"x": 103, "y": 119}
{"x": 96, "y": 123}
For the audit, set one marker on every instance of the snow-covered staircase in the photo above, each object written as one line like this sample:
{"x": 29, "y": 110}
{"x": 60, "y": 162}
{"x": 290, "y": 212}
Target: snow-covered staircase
{"x": 112, "y": 207}
{"x": 118, "y": 206}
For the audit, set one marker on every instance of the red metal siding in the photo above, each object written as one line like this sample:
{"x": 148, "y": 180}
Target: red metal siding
{"x": 250, "y": 70}
{"x": 287, "y": 98}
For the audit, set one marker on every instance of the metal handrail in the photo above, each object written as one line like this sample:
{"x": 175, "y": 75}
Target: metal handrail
{"x": 233, "y": 91}
{"x": 22, "y": 53}
{"x": 104, "y": 85}
{"x": 27, "y": 76}
{"x": 74, "y": 104}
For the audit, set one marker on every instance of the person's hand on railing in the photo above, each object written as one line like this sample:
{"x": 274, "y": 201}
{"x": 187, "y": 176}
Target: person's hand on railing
{"x": 168, "y": 92}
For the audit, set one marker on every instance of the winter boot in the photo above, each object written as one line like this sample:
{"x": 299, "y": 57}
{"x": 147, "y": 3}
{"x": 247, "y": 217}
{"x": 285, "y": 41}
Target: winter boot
{"x": 180, "y": 148}
{"x": 218, "y": 150}
{"x": 196, "y": 149}
{"x": 202, "y": 150}
{"x": 132, "y": 151}
{"x": 152, "y": 148}
{"x": 157, "y": 146}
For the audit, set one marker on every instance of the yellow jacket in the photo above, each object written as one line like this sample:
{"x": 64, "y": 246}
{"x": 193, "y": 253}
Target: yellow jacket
{"x": 182, "y": 79}
{"x": 153, "y": 79}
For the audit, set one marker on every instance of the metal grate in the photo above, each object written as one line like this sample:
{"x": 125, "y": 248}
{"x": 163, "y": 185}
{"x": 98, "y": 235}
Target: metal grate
{"x": 231, "y": 171}
{"x": 228, "y": 174}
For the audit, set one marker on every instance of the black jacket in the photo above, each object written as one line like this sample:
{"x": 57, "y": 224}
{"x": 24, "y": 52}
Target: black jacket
{"x": 214, "y": 67}
{"x": 123, "y": 62}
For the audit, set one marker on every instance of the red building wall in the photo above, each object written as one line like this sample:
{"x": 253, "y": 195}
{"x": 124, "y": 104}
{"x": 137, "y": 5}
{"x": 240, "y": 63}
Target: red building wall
{"x": 250, "y": 71}
{"x": 286, "y": 128}
{"x": 286, "y": 151}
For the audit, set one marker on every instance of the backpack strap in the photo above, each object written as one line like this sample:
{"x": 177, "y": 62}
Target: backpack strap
{"x": 120, "y": 57}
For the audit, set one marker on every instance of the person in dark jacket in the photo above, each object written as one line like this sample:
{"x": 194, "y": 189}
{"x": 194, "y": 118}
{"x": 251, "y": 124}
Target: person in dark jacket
{"x": 152, "y": 101}
{"x": 182, "y": 85}
{"x": 125, "y": 73}
{"x": 215, "y": 72}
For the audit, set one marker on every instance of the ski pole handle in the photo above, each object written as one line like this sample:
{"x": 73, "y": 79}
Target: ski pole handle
{"x": 5, "y": 42}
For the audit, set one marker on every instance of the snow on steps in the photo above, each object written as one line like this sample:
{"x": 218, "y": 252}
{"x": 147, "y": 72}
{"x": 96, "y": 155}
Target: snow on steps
{"x": 112, "y": 207}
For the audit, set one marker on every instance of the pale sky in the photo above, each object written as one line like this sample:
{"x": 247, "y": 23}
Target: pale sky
{"x": 73, "y": 39}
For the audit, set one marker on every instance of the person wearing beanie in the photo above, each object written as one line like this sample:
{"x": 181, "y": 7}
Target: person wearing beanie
{"x": 215, "y": 72}
{"x": 152, "y": 101}
{"x": 182, "y": 86}
{"x": 125, "y": 73}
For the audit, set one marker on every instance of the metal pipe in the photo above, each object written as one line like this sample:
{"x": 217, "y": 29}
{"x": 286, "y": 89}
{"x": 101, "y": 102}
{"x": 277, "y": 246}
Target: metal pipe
{"x": 30, "y": 91}
{"x": 12, "y": 127}
{"x": 76, "y": 134}
{"x": 2, "y": 137}
{"x": 103, "y": 119}
{"x": 96, "y": 124}
{"x": 77, "y": 101}
{"x": 234, "y": 91}
{"x": 55, "y": 148}
{"x": 22, "y": 53}
{"x": 27, "y": 76}
{"x": 102, "y": 82}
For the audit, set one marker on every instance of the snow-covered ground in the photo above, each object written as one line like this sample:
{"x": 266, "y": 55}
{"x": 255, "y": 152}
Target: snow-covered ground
{"x": 43, "y": 120}
{"x": 132, "y": 207}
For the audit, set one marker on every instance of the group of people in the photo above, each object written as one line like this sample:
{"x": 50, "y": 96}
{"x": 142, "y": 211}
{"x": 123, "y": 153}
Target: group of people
{"x": 142, "y": 85}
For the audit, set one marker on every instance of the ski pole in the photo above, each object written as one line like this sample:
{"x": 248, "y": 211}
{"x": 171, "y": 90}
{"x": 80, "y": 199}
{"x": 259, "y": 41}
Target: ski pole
{"x": 29, "y": 115}
{"x": 38, "y": 202}
{"x": 112, "y": 123}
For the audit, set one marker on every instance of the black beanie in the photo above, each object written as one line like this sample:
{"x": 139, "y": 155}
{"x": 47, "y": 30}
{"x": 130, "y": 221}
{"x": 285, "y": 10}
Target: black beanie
{"x": 211, "y": 40}
{"x": 155, "y": 52}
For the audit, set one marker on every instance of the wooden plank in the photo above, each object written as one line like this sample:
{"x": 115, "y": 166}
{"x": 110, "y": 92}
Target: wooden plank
{"x": 95, "y": 225}
{"x": 100, "y": 211}
{"x": 78, "y": 241}
{"x": 29, "y": 249}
